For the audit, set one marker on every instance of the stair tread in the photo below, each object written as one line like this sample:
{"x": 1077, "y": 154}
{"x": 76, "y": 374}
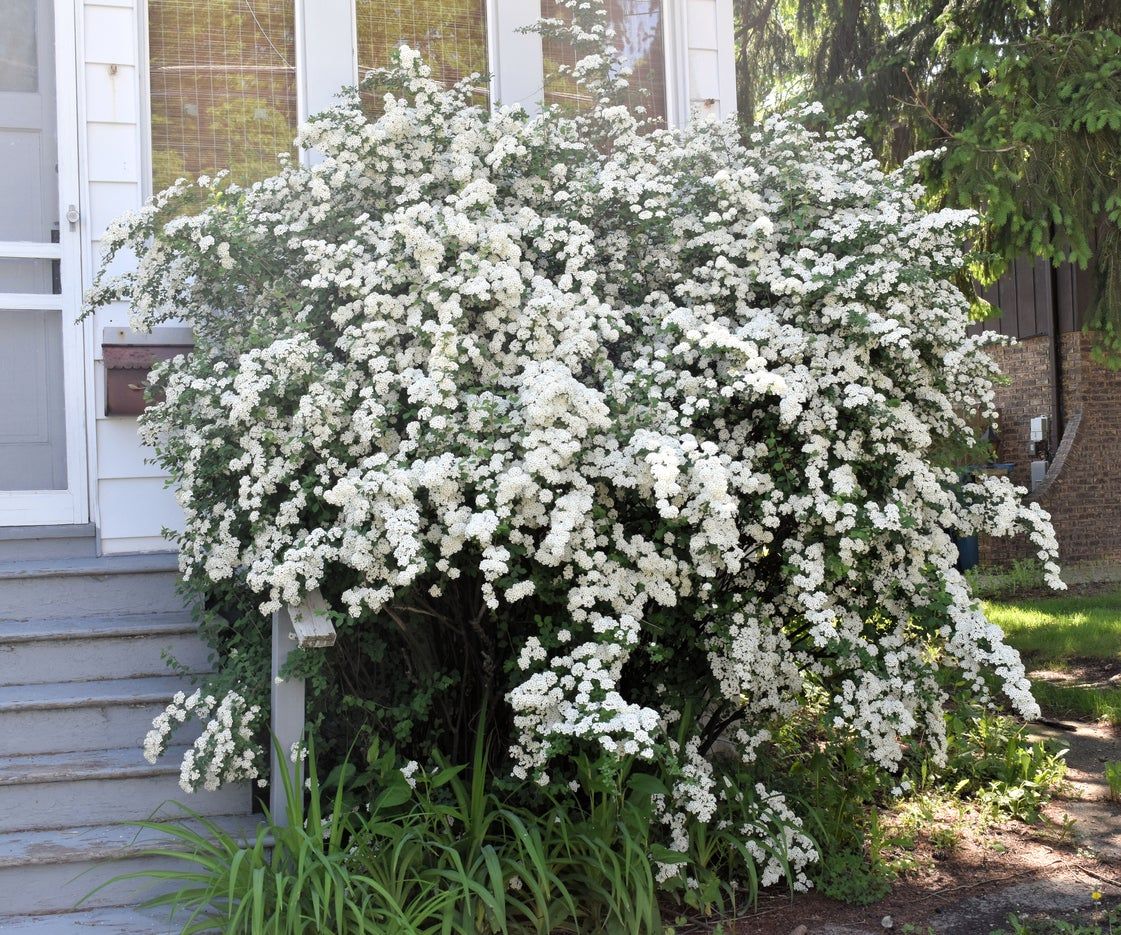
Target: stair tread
{"x": 96, "y": 627}
{"x": 66, "y": 531}
{"x": 104, "y": 921}
{"x": 120, "y": 763}
{"x": 139, "y": 563}
{"x": 100, "y": 842}
{"x": 142, "y": 690}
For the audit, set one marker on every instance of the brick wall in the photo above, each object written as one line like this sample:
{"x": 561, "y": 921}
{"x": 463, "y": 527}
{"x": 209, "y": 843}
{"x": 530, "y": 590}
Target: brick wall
{"x": 1081, "y": 491}
{"x": 1028, "y": 365}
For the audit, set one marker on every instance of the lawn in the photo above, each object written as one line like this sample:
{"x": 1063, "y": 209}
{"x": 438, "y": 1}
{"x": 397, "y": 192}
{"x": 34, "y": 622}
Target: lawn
{"x": 1076, "y": 641}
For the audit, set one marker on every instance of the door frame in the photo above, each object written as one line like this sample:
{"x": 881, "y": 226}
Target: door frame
{"x": 71, "y": 505}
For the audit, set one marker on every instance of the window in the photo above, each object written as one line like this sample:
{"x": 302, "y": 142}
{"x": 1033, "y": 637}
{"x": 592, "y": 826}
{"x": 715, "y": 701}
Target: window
{"x": 223, "y": 87}
{"x": 451, "y": 35}
{"x": 19, "y": 64}
{"x": 639, "y": 27}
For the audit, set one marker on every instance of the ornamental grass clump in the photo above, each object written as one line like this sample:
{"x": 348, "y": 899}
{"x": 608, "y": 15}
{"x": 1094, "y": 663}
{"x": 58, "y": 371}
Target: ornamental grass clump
{"x": 647, "y": 436}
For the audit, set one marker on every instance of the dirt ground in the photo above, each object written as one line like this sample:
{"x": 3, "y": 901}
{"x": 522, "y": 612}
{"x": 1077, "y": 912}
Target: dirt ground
{"x": 992, "y": 871}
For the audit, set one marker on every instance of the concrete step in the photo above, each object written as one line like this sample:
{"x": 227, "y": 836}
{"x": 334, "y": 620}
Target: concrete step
{"x": 61, "y": 717}
{"x": 119, "y": 646}
{"x": 73, "y": 587}
{"x": 50, "y": 871}
{"x": 24, "y": 543}
{"x": 93, "y": 922}
{"x": 63, "y": 789}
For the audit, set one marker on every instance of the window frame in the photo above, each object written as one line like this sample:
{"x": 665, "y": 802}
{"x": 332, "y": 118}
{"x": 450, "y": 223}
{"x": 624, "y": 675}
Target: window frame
{"x": 515, "y": 59}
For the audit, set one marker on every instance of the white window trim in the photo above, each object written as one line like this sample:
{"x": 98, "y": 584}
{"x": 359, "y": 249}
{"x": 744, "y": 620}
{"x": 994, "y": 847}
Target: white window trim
{"x": 324, "y": 27}
{"x": 326, "y": 53}
{"x": 515, "y": 57}
{"x": 725, "y": 32}
{"x": 675, "y": 38}
{"x": 144, "y": 116}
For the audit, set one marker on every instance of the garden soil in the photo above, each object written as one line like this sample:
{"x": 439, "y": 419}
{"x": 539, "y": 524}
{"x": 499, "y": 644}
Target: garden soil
{"x": 1050, "y": 869}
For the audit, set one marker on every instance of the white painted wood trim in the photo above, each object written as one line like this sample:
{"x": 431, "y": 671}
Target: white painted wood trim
{"x": 56, "y": 507}
{"x": 76, "y": 336}
{"x": 33, "y": 301}
{"x": 163, "y": 334}
{"x": 515, "y": 58}
{"x": 29, "y": 250}
{"x": 38, "y": 507}
{"x": 306, "y": 626}
{"x": 144, "y": 87}
{"x": 311, "y": 623}
{"x": 326, "y": 56}
{"x": 88, "y": 264}
{"x": 726, "y": 33}
{"x": 676, "y": 64}
{"x": 286, "y": 716}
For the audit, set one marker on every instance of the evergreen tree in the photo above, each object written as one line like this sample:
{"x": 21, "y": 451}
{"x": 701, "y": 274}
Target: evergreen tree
{"x": 1022, "y": 98}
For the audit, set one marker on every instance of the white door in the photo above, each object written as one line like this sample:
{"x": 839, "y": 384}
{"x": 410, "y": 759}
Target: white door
{"x": 42, "y": 405}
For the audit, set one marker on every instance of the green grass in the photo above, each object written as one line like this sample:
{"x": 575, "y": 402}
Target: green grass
{"x": 1064, "y": 633}
{"x": 1078, "y": 703}
{"x": 1058, "y": 630}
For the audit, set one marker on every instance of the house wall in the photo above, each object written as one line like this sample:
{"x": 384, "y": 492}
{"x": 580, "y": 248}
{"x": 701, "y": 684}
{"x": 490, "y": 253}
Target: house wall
{"x": 1080, "y": 491}
{"x": 711, "y": 65}
{"x": 1028, "y": 365}
{"x": 130, "y": 503}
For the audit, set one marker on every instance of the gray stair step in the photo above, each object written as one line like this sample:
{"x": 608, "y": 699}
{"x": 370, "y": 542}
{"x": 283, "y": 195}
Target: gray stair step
{"x": 71, "y": 587}
{"x": 50, "y": 871}
{"x": 64, "y": 789}
{"x": 23, "y": 543}
{"x": 94, "y": 922}
{"x": 118, "y": 646}
{"x": 62, "y": 717}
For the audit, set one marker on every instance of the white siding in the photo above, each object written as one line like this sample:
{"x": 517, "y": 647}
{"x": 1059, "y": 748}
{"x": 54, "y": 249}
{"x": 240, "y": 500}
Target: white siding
{"x": 132, "y": 504}
{"x": 710, "y": 54}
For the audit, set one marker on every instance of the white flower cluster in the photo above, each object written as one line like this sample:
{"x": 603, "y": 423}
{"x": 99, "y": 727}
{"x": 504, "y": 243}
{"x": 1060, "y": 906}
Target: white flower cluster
{"x": 690, "y": 396}
{"x": 773, "y": 836}
{"x": 225, "y": 751}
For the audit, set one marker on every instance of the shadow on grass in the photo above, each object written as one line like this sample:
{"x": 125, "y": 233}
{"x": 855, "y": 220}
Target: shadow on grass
{"x": 1078, "y": 702}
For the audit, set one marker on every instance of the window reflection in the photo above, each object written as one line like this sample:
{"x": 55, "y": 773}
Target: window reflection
{"x": 19, "y": 65}
{"x": 451, "y": 35}
{"x": 639, "y": 27}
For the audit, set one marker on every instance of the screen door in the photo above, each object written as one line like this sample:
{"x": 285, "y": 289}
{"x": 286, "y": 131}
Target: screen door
{"x": 41, "y": 397}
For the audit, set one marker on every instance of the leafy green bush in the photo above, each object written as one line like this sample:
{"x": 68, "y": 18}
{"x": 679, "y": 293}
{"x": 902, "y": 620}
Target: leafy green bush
{"x": 296, "y": 876}
{"x": 1024, "y": 574}
{"x": 850, "y": 878}
{"x": 385, "y": 849}
{"x": 991, "y": 759}
{"x": 1101, "y": 922}
{"x": 1113, "y": 779}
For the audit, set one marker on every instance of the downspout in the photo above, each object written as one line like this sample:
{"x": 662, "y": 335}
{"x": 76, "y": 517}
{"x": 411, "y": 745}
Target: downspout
{"x": 1058, "y": 423}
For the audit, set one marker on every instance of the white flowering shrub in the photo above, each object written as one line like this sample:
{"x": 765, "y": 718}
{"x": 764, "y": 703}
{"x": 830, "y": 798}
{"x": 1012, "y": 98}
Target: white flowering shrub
{"x": 649, "y": 434}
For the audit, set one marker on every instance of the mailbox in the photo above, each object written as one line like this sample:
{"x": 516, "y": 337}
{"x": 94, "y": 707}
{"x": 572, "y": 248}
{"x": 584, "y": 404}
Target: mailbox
{"x": 126, "y": 374}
